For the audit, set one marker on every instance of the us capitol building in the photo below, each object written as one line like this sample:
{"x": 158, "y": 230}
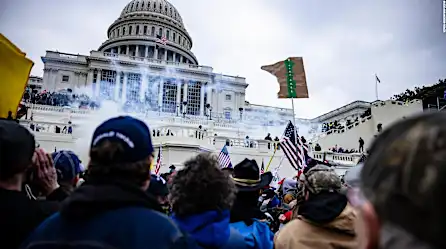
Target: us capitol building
{"x": 147, "y": 61}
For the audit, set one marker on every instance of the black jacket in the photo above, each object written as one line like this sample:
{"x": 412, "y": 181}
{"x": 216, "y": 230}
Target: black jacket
{"x": 19, "y": 216}
{"x": 109, "y": 215}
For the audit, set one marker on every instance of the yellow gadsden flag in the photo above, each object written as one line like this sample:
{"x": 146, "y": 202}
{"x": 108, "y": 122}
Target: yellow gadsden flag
{"x": 14, "y": 72}
{"x": 290, "y": 74}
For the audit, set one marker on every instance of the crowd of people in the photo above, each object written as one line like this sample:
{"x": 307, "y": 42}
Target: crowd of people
{"x": 50, "y": 200}
{"x": 64, "y": 98}
{"x": 336, "y": 125}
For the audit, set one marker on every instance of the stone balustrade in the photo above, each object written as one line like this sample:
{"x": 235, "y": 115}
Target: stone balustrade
{"x": 47, "y": 126}
{"x": 350, "y": 159}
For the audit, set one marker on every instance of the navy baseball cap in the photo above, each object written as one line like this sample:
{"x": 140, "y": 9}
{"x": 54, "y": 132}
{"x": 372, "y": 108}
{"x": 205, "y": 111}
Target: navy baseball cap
{"x": 67, "y": 164}
{"x": 133, "y": 134}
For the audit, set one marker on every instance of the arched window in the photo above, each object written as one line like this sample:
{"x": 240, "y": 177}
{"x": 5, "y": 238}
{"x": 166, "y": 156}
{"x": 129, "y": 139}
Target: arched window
{"x": 165, "y": 9}
{"x": 123, "y": 31}
{"x": 153, "y": 31}
{"x": 170, "y": 11}
{"x": 167, "y": 34}
{"x": 154, "y": 5}
{"x": 130, "y": 30}
{"x": 160, "y": 32}
{"x": 137, "y": 29}
{"x": 142, "y": 5}
{"x": 174, "y": 37}
{"x": 137, "y": 4}
{"x": 161, "y": 8}
{"x": 145, "y": 30}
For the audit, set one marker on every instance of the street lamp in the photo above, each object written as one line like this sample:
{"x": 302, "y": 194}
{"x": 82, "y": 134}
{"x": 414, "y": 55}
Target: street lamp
{"x": 209, "y": 107}
{"x": 184, "y": 108}
{"x": 241, "y": 113}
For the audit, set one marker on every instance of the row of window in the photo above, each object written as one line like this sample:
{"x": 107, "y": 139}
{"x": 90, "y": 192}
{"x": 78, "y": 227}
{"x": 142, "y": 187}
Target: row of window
{"x": 107, "y": 90}
{"x": 168, "y": 10}
{"x": 144, "y": 30}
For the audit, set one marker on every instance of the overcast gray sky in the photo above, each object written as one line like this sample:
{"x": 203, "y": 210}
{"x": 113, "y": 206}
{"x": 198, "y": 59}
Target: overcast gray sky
{"x": 344, "y": 42}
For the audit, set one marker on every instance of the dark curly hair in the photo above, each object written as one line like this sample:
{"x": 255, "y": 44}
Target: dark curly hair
{"x": 201, "y": 186}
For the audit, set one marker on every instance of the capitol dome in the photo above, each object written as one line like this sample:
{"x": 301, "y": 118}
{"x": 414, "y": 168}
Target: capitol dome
{"x": 151, "y": 29}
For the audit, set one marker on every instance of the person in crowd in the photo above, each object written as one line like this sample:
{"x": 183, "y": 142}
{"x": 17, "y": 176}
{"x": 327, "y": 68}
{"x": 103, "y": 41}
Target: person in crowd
{"x": 68, "y": 167}
{"x": 158, "y": 189}
{"x": 202, "y": 197}
{"x": 112, "y": 209}
{"x": 276, "y": 142}
{"x": 317, "y": 147}
{"x": 245, "y": 214}
{"x": 20, "y": 161}
{"x": 324, "y": 219}
{"x": 268, "y": 138}
{"x": 361, "y": 144}
{"x": 401, "y": 195}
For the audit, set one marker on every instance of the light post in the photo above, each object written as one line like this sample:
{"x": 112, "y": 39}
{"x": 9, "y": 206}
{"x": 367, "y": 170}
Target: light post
{"x": 184, "y": 109}
{"x": 241, "y": 113}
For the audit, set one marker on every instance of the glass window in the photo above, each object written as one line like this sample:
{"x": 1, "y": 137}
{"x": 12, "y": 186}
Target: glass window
{"x": 130, "y": 30}
{"x": 137, "y": 29}
{"x": 227, "y": 115}
{"x": 123, "y": 30}
{"x": 167, "y": 34}
{"x": 169, "y": 97}
{"x": 65, "y": 78}
{"x": 145, "y": 30}
{"x": 174, "y": 37}
{"x": 160, "y": 32}
{"x": 133, "y": 87}
{"x": 228, "y": 96}
{"x": 153, "y": 31}
{"x": 193, "y": 98}
{"x": 107, "y": 84}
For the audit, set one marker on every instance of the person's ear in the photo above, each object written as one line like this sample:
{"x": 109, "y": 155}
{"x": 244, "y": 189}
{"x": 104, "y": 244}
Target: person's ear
{"x": 368, "y": 227}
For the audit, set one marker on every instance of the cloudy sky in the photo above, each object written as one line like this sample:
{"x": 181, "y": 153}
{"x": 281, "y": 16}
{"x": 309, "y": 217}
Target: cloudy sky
{"x": 344, "y": 42}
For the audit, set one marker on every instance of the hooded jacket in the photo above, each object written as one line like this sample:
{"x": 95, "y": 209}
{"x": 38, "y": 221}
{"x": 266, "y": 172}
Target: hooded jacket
{"x": 109, "y": 215}
{"x": 325, "y": 221}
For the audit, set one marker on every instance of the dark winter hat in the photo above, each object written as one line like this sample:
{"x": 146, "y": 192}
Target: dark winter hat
{"x": 158, "y": 186}
{"x": 404, "y": 176}
{"x": 67, "y": 164}
{"x": 17, "y": 147}
{"x": 322, "y": 178}
{"x": 133, "y": 134}
{"x": 247, "y": 176}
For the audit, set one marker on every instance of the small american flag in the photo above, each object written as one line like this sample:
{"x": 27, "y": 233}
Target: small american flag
{"x": 159, "y": 161}
{"x": 162, "y": 40}
{"x": 292, "y": 148}
{"x": 262, "y": 168}
{"x": 223, "y": 158}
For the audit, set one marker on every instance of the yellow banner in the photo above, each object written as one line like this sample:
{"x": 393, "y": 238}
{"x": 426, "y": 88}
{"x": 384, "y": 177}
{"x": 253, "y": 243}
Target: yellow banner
{"x": 14, "y": 71}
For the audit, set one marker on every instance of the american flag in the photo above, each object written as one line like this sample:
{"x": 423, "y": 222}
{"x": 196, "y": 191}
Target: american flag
{"x": 292, "y": 148}
{"x": 162, "y": 40}
{"x": 159, "y": 161}
{"x": 262, "y": 168}
{"x": 223, "y": 158}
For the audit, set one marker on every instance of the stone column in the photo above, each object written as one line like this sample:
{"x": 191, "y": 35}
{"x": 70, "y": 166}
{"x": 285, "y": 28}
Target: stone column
{"x": 160, "y": 93}
{"x": 174, "y": 57}
{"x": 98, "y": 83}
{"x": 146, "y": 53}
{"x": 179, "y": 93}
{"x": 117, "y": 83}
{"x": 46, "y": 78}
{"x": 90, "y": 76}
{"x": 143, "y": 87}
{"x": 78, "y": 79}
{"x": 202, "y": 89}
{"x": 209, "y": 93}
{"x": 137, "y": 51}
{"x": 127, "y": 52}
{"x": 165, "y": 54}
{"x": 155, "y": 53}
{"x": 124, "y": 88}
{"x": 119, "y": 49}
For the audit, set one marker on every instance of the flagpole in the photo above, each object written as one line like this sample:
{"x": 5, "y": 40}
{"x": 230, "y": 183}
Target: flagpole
{"x": 294, "y": 122}
{"x": 376, "y": 87}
